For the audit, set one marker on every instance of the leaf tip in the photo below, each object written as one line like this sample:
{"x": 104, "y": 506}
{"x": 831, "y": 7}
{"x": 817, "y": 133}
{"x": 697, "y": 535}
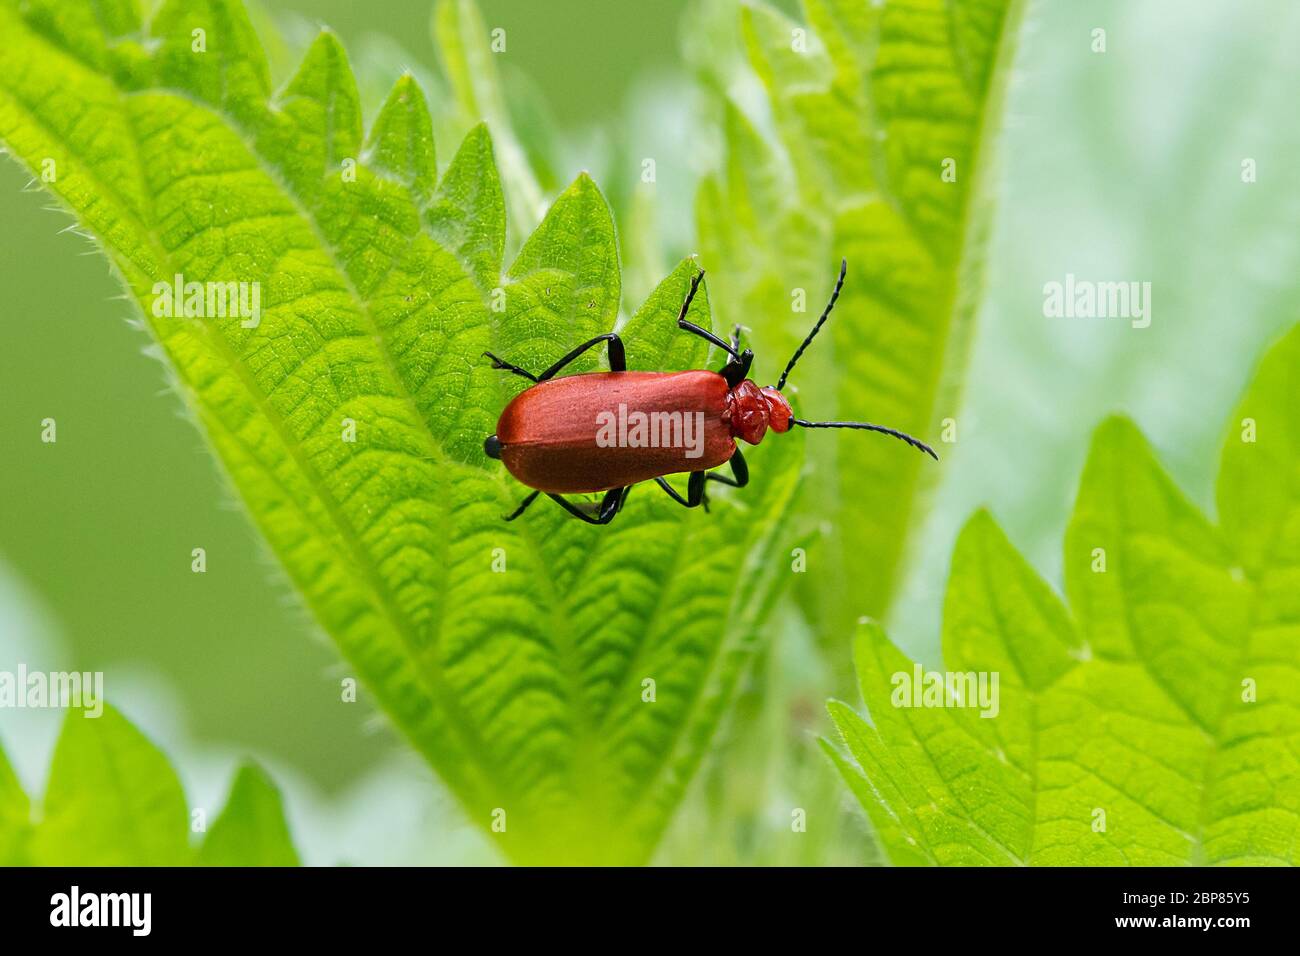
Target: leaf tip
{"x": 327, "y": 47}
{"x": 836, "y": 707}
{"x": 1117, "y": 425}
{"x": 480, "y": 136}
{"x": 406, "y": 86}
{"x": 981, "y": 523}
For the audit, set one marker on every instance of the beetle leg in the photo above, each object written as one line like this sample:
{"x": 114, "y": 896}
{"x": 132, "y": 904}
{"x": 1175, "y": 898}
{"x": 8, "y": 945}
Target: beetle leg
{"x": 696, "y": 496}
{"x": 671, "y": 492}
{"x": 617, "y": 358}
{"x": 503, "y": 364}
{"x": 694, "y": 491}
{"x": 708, "y": 337}
{"x": 690, "y": 295}
{"x": 613, "y": 503}
{"x": 737, "y": 369}
{"x": 697, "y": 491}
{"x": 738, "y": 468}
{"x": 609, "y": 506}
{"x": 695, "y": 329}
{"x": 523, "y": 506}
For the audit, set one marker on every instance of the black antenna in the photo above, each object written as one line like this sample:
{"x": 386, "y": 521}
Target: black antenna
{"x": 864, "y": 426}
{"x": 844, "y": 267}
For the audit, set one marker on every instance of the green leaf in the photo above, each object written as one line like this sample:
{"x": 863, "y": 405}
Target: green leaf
{"x": 112, "y": 799}
{"x": 351, "y": 420}
{"x": 657, "y": 342}
{"x": 401, "y": 140}
{"x": 857, "y": 172}
{"x": 468, "y": 214}
{"x": 1162, "y": 724}
{"x": 15, "y": 813}
{"x": 644, "y": 262}
{"x": 251, "y": 830}
{"x": 463, "y": 43}
{"x": 1257, "y": 495}
{"x": 564, "y": 284}
{"x": 230, "y": 72}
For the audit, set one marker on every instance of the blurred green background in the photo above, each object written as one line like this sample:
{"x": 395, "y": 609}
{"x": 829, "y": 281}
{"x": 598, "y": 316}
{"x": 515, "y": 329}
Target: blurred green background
{"x": 1117, "y": 166}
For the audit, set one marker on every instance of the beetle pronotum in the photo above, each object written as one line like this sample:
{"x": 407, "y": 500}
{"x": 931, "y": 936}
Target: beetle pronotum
{"x": 550, "y": 435}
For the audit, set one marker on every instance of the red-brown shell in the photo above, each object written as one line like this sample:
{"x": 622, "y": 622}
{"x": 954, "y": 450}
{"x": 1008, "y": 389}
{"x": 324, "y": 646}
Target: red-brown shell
{"x": 548, "y": 433}
{"x": 549, "y": 440}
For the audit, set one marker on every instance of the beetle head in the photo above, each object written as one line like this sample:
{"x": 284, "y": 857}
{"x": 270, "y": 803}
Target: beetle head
{"x": 751, "y": 410}
{"x": 779, "y": 412}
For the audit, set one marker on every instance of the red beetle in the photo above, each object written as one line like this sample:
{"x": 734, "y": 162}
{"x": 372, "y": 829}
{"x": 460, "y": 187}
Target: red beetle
{"x": 607, "y": 431}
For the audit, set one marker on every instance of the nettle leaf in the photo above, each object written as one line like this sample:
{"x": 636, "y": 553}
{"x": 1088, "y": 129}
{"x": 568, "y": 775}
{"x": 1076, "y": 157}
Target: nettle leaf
{"x": 401, "y": 142}
{"x": 468, "y": 214}
{"x": 113, "y": 799}
{"x": 886, "y": 117}
{"x": 1162, "y": 724}
{"x": 464, "y": 46}
{"x": 351, "y": 416}
{"x": 660, "y": 345}
{"x": 251, "y": 830}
